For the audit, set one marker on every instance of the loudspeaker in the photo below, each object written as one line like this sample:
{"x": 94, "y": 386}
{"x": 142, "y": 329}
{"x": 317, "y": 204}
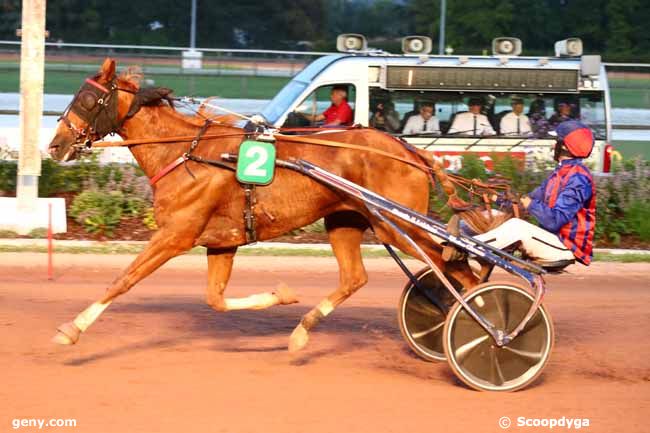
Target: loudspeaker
{"x": 351, "y": 42}
{"x": 571, "y": 47}
{"x": 416, "y": 45}
{"x": 506, "y": 46}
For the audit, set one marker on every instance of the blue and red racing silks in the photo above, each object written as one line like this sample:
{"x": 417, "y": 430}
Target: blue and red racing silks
{"x": 565, "y": 204}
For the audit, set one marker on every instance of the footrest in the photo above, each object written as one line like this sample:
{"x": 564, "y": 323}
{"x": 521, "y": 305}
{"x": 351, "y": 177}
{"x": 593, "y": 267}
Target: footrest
{"x": 556, "y": 266}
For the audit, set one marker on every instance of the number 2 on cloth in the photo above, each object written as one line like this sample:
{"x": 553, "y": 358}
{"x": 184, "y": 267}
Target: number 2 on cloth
{"x": 256, "y": 162}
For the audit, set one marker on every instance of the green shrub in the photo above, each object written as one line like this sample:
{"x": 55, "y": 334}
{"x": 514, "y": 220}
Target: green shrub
{"x": 315, "y": 227}
{"x": 622, "y": 197}
{"x": 38, "y": 233}
{"x": 8, "y": 234}
{"x": 637, "y": 219}
{"x": 8, "y": 172}
{"x": 622, "y": 202}
{"x": 149, "y": 219}
{"x": 113, "y": 192}
{"x": 98, "y": 211}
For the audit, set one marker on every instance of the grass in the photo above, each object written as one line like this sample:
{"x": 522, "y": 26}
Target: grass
{"x": 190, "y": 85}
{"x": 622, "y": 258}
{"x": 633, "y": 93}
{"x": 282, "y": 252}
{"x": 630, "y": 92}
{"x": 631, "y": 149}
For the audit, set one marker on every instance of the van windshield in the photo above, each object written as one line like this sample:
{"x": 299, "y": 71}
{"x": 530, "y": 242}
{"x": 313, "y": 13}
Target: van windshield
{"x": 292, "y": 90}
{"x": 483, "y": 114}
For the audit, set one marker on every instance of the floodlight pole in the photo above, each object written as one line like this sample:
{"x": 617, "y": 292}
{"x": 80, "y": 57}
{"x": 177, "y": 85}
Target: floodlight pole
{"x": 32, "y": 60}
{"x": 441, "y": 39}
{"x": 193, "y": 27}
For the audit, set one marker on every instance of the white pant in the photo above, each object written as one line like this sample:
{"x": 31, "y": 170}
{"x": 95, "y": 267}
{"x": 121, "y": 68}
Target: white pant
{"x": 536, "y": 242}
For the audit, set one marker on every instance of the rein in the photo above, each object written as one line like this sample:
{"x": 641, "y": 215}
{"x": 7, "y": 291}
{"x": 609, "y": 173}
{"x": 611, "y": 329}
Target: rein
{"x": 475, "y": 187}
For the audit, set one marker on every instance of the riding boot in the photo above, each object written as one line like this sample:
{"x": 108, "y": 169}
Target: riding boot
{"x": 449, "y": 251}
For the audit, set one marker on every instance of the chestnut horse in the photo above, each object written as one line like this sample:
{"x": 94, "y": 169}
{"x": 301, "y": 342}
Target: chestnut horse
{"x": 200, "y": 204}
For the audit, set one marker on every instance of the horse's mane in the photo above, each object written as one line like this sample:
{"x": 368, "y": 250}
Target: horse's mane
{"x": 163, "y": 97}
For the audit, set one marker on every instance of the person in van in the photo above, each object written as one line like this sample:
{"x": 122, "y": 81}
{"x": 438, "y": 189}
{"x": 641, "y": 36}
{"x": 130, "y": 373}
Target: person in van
{"x": 384, "y": 117}
{"x": 339, "y": 113}
{"x": 472, "y": 122}
{"x": 563, "y": 113}
{"x": 414, "y": 112}
{"x": 423, "y": 122}
{"x": 537, "y": 118}
{"x": 515, "y": 123}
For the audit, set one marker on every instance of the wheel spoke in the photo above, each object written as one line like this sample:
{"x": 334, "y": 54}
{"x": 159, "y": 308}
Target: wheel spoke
{"x": 496, "y": 368}
{"x": 423, "y": 308}
{"x": 533, "y": 357}
{"x": 434, "y": 328}
{"x": 501, "y": 307}
{"x": 467, "y": 348}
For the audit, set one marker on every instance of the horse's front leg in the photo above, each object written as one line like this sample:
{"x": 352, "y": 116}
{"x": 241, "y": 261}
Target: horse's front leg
{"x": 220, "y": 263}
{"x": 164, "y": 245}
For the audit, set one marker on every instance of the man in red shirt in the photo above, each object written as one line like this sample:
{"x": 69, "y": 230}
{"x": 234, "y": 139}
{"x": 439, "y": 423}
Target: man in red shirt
{"x": 339, "y": 113}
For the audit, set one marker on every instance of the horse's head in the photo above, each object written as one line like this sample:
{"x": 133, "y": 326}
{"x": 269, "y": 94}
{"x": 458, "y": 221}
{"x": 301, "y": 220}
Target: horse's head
{"x": 100, "y": 107}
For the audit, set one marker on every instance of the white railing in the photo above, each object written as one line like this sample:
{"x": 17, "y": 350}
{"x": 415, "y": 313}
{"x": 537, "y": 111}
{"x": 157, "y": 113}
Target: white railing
{"x": 628, "y": 65}
{"x": 171, "y": 48}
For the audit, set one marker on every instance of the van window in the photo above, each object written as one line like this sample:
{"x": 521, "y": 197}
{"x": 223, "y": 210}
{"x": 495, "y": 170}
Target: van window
{"x": 316, "y": 103}
{"x": 390, "y": 111}
{"x": 401, "y": 105}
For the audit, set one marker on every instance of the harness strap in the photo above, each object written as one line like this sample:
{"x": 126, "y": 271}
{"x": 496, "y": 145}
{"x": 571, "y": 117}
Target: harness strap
{"x": 178, "y": 161}
{"x": 178, "y": 139}
{"x": 329, "y": 143}
{"x": 96, "y": 85}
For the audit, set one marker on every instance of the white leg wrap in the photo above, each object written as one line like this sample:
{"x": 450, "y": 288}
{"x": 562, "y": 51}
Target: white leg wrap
{"x": 325, "y": 307}
{"x": 89, "y": 315}
{"x": 253, "y": 302}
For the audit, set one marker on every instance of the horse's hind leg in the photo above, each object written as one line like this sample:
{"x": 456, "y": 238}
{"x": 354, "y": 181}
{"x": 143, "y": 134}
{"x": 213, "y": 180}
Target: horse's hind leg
{"x": 345, "y": 239}
{"x": 163, "y": 246}
{"x": 220, "y": 263}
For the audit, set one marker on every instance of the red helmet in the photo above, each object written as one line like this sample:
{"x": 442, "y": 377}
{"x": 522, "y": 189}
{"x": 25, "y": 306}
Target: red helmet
{"x": 576, "y": 137}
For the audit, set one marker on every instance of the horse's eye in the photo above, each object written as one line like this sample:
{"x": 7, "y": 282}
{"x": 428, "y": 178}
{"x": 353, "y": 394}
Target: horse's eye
{"x": 87, "y": 100}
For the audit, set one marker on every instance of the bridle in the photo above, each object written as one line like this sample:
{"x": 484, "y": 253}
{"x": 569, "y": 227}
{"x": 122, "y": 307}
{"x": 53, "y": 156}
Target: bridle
{"x": 96, "y": 105}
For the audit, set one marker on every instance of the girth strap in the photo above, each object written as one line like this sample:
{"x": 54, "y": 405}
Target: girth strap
{"x": 250, "y": 224}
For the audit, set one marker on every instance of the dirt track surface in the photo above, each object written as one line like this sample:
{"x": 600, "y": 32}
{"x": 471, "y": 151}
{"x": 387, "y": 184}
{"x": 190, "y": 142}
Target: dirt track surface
{"x": 160, "y": 360}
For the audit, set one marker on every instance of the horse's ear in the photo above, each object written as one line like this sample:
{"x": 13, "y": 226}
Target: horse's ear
{"x": 107, "y": 71}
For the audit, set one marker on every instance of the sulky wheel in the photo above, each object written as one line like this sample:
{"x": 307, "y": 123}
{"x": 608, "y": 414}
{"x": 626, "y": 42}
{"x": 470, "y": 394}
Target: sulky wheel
{"x": 421, "y": 320}
{"x": 471, "y": 351}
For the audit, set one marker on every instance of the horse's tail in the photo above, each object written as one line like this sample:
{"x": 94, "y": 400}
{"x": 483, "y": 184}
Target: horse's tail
{"x": 453, "y": 201}
{"x": 478, "y": 219}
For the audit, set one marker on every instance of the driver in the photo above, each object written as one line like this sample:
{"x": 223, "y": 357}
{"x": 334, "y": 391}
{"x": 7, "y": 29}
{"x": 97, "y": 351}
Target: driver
{"x": 339, "y": 113}
{"x": 564, "y": 205}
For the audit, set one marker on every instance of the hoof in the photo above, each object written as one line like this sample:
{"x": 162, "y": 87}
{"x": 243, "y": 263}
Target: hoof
{"x": 67, "y": 334}
{"x": 299, "y": 338}
{"x": 285, "y": 295}
{"x": 219, "y": 305}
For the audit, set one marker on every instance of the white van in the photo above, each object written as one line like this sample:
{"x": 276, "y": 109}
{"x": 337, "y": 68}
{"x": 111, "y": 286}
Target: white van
{"x": 377, "y": 81}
